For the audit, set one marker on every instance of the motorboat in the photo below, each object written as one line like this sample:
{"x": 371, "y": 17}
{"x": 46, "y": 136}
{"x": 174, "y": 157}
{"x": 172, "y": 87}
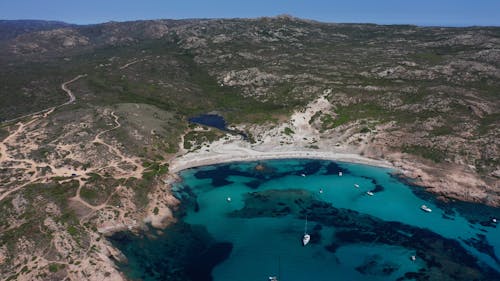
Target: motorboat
{"x": 425, "y": 209}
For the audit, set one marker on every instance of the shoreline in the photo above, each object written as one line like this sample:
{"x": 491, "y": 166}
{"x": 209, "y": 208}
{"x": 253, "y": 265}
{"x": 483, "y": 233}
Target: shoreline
{"x": 233, "y": 152}
{"x": 450, "y": 183}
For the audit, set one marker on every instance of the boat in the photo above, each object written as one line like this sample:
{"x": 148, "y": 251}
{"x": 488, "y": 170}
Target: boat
{"x": 340, "y": 174}
{"x": 425, "y": 209}
{"x": 413, "y": 258}
{"x": 228, "y": 199}
{"x": 275, "y": 277}
{"x": 321, "y": 190}
{"x": 302, "y": 175}
{"x": 356, "y": 185}
{"x": 370, "y": 193}
{"x": 306, "y": 238}
{"x": 494, "y": 220}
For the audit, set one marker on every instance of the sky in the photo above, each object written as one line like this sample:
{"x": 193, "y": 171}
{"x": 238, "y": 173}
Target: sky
{"x": 418, "y": 12}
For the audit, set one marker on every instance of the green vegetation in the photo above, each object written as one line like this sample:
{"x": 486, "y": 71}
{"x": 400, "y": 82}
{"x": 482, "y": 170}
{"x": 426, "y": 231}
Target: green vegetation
{"x": 328, "y": 122}
{"x": 488, "y": 122}
{"x": 55, "y": 192}
{"x": 428, "y": 57}
{"x": 364, "y": 130}
{"x": 442, "y": 131}
{"x": 141, "y": 190}
{"x": 356, "y": 112}
{"x": 3, "y": 133}
{"x": 89, "y": 194}
{"x": 53, "y": 267}
{"x": 430, "y": 153}
{"x": 153, "y": 169}
{"x": 73, "y": 231}
{"x": 287, "y": 131}
{"x": 194, "y": 139}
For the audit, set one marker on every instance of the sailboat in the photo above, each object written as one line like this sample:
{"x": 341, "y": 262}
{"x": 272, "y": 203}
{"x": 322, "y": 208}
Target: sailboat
{"x": 275, "y": 278}
{"x": 306, "y": 238}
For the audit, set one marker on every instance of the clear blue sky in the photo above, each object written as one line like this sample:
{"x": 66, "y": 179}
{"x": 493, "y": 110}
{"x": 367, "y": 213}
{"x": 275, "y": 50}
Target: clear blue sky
{"x": 420, "y": 12}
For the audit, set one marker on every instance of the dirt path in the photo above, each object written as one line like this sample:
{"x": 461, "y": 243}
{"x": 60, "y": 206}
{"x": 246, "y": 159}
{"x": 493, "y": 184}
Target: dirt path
{"x": 68, "y": 91}
{"x": 50, "y": 109}
{"x": 15, "y": 155}
{"x": 133, "y": 161}
{"x": 129, "y": 64}
{"x": 29, "y": 166}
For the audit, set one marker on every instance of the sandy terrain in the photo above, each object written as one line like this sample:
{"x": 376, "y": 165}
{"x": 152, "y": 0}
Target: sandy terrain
{"x": 342, "y": 144}
{"x": 272, "y": 143}
{"x": 224, "y": 151}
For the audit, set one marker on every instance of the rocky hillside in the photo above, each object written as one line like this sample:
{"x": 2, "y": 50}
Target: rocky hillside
{"x": 425, "y": 98}
{"x": 12, "y": 28}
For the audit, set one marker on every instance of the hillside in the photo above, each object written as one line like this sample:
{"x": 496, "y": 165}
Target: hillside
{"x": 425, "y": 99}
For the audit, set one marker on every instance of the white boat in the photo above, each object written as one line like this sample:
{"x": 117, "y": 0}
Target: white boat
{"x": 494, "y": 220}
{"x": 275, "y": 277}
{"x": 302, "y": 175}
{"x": 356, "y": 185}
{"x": 228, "y": 199}
{"x": 306, "y": 238}
{"x": 321, "y": 190}
{"x": 369, "y": 193}
{"x": 413, "y": 258}
{"x": 425, "y": 209}
{"x": 340, "y": 174}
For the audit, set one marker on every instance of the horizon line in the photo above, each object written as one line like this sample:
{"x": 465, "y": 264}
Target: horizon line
{"x": 450, "y": 25}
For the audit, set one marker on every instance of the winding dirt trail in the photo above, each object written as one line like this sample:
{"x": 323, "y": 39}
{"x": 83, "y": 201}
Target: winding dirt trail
{"x": 15, "y": 155}
{"x": 68, "y": 91}
{"x": 129, "y": 64}
{"x": 132, "y": 161}
{"x": 49, "y": 110}
{"x": 29, "y": 166}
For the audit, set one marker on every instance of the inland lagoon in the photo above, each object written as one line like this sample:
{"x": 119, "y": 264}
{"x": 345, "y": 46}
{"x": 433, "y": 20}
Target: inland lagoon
{"x": 245, "y": 221}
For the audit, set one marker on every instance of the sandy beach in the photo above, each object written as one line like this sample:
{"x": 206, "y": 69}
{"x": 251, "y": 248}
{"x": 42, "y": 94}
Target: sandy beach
{"x": 233, "y": 151}
{"x": 446, "y": 180}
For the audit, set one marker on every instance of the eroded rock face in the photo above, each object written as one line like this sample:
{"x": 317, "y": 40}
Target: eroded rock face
{"x": 44, "y": 41}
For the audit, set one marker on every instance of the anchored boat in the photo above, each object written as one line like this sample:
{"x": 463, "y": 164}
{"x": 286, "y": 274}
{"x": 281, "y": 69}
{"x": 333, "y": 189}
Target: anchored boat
{"x": 306, "y": 238}
{"x": 425, "y": 209}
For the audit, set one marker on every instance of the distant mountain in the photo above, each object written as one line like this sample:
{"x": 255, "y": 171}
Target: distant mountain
{"x": 12, "y": 28}
{"x": 426, "y": 99}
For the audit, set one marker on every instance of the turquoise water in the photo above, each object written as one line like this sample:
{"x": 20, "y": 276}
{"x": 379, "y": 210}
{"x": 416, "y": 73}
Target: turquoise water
{"x": 353, "y": 236}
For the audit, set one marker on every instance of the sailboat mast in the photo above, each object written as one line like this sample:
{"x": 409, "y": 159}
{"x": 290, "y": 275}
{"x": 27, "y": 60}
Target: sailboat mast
{"x": 305, "y": 227}
{"x": 279, "y": 267}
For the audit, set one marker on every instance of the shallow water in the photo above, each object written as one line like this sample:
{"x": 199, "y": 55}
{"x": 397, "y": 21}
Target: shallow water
{"x": 353, "y": 236}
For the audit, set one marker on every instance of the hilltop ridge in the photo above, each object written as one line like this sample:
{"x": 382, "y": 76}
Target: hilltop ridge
{"x": 425, "y": 100}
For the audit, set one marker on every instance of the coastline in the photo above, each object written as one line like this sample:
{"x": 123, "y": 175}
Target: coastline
{"x": 446, "y": 182}
{"x": 238, "y": 152}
